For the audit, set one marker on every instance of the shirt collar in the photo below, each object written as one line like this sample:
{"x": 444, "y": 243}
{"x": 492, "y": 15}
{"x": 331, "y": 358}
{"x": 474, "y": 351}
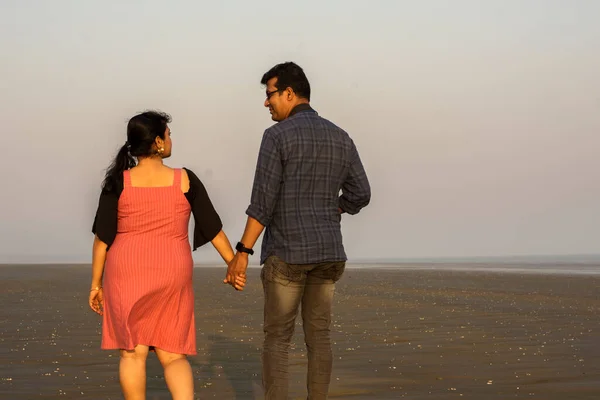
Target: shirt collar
{"x": 301, "y": 108}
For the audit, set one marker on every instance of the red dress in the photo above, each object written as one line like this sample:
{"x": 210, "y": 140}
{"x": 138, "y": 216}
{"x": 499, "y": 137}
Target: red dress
{"x": 148, "y": 294}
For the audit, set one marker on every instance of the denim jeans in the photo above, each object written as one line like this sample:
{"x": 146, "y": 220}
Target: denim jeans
{"x": 286, "y": 287}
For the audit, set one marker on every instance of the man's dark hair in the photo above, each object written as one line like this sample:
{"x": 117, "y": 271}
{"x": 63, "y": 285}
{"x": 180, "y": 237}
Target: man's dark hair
{"x": 290, "y": 75}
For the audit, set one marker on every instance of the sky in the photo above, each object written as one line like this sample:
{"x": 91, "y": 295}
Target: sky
{"x": 478, "y": 122}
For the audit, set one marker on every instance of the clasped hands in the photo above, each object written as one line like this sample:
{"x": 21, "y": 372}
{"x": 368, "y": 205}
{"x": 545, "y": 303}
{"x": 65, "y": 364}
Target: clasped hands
{"x": 236, "y": 271}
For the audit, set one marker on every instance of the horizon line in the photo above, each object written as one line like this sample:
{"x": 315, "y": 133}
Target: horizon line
{"x": 578, "y": 258}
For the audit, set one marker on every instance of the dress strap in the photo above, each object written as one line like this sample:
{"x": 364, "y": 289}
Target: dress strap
{"x": 126, "y": 178}
{"x": 177, "y": 177}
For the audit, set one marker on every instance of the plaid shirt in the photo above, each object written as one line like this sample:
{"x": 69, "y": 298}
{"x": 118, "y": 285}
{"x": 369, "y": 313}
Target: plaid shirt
{"x": 303, "y": 163}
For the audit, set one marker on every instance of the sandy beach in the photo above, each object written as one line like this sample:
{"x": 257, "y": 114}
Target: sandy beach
{"x": 417, "y": 334}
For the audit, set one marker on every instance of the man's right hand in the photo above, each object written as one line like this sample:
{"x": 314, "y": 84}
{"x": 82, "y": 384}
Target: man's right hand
{"x": 236, "y": 271}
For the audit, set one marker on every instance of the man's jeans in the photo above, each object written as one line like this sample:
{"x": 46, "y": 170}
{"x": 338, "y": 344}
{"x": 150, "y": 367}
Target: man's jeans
{"x": 286, "y": 286}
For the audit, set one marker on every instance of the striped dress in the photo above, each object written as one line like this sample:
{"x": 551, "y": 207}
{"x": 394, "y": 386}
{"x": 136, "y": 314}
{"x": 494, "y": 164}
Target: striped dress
{"x": 148, "y": 294}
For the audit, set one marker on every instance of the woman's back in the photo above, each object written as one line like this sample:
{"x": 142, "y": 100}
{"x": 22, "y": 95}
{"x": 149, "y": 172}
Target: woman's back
{"x": 149, "y": 265}
{"x": 157, "y": 176}
{"x": 153, "y": 215}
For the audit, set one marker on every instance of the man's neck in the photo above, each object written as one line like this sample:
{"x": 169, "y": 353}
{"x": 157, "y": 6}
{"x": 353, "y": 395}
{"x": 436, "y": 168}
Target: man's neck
{"x": 300, "y": 106}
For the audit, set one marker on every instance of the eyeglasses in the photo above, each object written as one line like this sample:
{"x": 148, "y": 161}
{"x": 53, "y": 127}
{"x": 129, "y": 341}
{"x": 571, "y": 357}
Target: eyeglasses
{"x": 269, "y": 94}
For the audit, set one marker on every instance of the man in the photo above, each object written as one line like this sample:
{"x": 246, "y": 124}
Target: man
{"x": 303, "y": 162}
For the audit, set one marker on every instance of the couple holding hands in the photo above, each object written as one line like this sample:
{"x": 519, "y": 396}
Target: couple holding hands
{"x": 308, "y": 174}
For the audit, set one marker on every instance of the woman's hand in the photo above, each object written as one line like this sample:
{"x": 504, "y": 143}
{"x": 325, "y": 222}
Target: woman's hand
{"x": 236, "y": 271}
{"x": 98, "y": 259}
{"x": 97, "y": 301}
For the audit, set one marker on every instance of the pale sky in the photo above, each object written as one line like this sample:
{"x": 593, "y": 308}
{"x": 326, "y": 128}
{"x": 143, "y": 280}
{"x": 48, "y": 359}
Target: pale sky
{"x": 477, "y": 121}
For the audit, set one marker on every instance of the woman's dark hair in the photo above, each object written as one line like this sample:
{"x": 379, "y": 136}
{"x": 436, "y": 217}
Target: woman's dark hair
{"x": 142, "y": 131}
{"x": 289, "y": 74}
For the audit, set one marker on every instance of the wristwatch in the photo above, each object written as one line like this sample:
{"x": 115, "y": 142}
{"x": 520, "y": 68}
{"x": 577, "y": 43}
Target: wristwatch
{"x": 241, "y": 248}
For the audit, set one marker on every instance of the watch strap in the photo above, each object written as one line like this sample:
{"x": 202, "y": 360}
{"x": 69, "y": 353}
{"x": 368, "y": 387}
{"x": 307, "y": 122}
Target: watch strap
{"x": 241, "y": 248}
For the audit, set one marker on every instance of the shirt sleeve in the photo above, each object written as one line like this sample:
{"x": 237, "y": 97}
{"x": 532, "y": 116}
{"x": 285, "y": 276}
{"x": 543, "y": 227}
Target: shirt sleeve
{"x": 356, "y": 191}
{"x": 268, "y": 178}
{"x": 207, "y": 223}
{"x": 105, "y": 221}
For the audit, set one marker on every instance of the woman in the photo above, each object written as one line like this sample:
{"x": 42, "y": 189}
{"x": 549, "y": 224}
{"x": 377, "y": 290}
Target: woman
{"x": 142, "y": 251}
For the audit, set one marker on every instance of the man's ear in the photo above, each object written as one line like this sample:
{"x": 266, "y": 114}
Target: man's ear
{"x": 289, "y": 92}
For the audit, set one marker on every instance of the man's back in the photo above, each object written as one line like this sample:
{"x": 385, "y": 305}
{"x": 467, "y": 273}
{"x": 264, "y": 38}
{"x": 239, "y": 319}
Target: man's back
{"x": 304, "y": 162}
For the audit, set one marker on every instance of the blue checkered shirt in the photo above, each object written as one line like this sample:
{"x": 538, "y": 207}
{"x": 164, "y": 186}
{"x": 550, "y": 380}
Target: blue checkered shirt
{"x": 304, "y": 162}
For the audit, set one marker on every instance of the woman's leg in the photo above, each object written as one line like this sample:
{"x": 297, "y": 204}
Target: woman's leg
{"x": 132, "y": 372}
{"x": 178, "y": 374}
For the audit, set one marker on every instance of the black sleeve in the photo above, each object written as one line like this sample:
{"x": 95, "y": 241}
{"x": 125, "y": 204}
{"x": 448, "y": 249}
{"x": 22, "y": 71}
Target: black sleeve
{"x": 105, "y": 221}
{"x": 207, "y": 222}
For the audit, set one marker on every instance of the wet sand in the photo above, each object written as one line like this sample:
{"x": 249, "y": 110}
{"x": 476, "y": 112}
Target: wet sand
{"x": 418, "y": 334}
